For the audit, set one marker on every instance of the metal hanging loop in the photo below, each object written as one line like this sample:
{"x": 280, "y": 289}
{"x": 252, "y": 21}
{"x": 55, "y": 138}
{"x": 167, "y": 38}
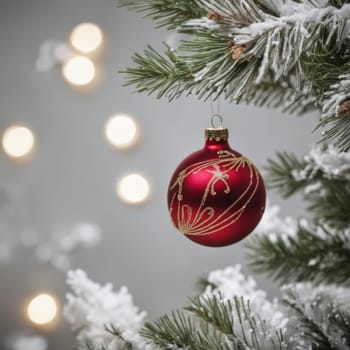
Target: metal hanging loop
{"x": 213, "y": 119}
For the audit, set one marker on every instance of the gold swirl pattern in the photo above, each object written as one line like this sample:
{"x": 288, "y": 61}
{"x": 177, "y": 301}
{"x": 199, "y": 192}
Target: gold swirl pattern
{"x": 205, "y": 221}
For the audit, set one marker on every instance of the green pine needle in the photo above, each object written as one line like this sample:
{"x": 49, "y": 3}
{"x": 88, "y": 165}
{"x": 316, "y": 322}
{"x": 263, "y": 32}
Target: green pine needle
{"x": 280, "y": 173}
{"x": 305, "y": 257}
{"x": 166, "y": 13}
{"x": 321, "y": 323}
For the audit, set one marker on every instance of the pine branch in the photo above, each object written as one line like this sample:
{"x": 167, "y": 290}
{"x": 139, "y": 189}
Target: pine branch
{"x": 321, "y": 322}
{"x": 279, "y": 95}
{"x": 338, "y": 3}
{"x": 327, "y": 194}
{"x": 202, "y": 284}
{"x": 213, "y": 323}
{"x": 292, "y": 62}
{"x": 181, "y": 331}
{"x": 168, "y": 75}
{"x": 126, "y": 345}
{"x": 173, "y": 75}
{"x": 224, "y": 315}
{"x": 166, "y": 13}
{"x": 339, "y": 131}
{"x": 331, "y": 74}
{"x": 216, "y": 312}
{"x": 320, "y": 256}
{"x": 324, "y": 65}
{"x": 280, "y": 174}
{"x": 260, "y": 56}
{"x": 330, "y": 203}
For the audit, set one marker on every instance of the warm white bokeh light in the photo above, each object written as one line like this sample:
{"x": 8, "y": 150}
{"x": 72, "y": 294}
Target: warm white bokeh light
{"x": 86, "y": 37}
{"x": 121, "y": 131}
{"x": 133, "y": 189}
{"x": 42, "y": 309}
{"x": 79, "y": 70}
{"x": 17, "y": 141}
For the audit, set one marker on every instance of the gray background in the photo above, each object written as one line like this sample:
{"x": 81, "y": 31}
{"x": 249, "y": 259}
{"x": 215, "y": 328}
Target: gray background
{"x": 72, "y": 174}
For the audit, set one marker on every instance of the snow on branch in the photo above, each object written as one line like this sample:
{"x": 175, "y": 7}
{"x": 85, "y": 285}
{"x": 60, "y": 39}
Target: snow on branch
{"x": 231, "y": 282}
{"x": 327, "y": 162}
{"x": 90, "y": 308}
{"x": 321, "y": 315}
{"x": 291, "y": 250}
{"x": 277, "y": 32}
{"x": 337, "y": 94}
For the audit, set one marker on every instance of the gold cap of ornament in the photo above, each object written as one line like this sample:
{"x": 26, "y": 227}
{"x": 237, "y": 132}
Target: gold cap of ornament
{"x": 217, "y": 134}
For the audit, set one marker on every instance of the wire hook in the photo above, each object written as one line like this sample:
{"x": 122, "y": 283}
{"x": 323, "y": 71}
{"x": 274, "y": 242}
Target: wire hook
{"x": 213, "y": 124}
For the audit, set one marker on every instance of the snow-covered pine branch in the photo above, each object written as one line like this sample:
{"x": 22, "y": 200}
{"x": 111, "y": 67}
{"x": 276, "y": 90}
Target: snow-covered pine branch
{"x": 336, "y": 110}
{"x": 232, "y": 314}
{"x": 326, "y": 162}
{"x": 319, "y": 316}
{"x": 91, "y": 308}
{"x": 279, "y": 53}
{"x": 323, "y": 177}
{"x": 290, "y": 250}
{"x": 277, "y": 33}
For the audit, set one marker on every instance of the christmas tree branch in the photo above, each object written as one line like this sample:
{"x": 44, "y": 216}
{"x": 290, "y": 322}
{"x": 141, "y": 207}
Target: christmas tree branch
{"x": 280, "y": 173}
{"x": 320, "y": 318}
{"x": 169, "y": 75}
{"x": 224, "y": 314}
{"x": 294, "y": 57}
{"x": 339, "y": 131}
{"x": 166, "y": 13}
{"x": 218, "y": 314}
{"x": 324, "y": 177}
{"x": 329, "y": 202}
{"x": 125, "y": 344}
{"x": 318, "y": 255}
{"x": 213, "y": 323}
{"x": 181, "y": 331}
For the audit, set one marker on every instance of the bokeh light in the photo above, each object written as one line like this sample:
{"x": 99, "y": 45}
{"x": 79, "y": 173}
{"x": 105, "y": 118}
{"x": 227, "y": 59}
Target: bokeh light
{"x": 121, "y": 131}
{"x": 133, "y": 188}
{"x": 17, "y": 141}
{"x": 79, "y": 70}
{"x": 42, "y": 309}
{"x": 86, "y": 37}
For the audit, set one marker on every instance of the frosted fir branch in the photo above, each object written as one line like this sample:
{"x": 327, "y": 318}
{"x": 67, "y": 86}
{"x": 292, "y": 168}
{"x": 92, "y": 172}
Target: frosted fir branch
{"x": 181, "y": 331}
{"x": 335, "y": 97}
{"x": 216, "y": 324}
{"x": 231, "y": 282}
{"x": 281, "y": 94}
{"x": 314, "y": 252}
{"x": 336, "y": 94}
{"x": 321, "y": 316}
{"x": 261, "y": 31}
{"x": 265, "y": 323}
{"x": 323, "y": 177}
{"x": 281, "y": 171}
{"x": 235, "y": 319}
{"x": 166, "y": 13}
{"x": 90, "y": 308}
{"x": 326, "y": 162}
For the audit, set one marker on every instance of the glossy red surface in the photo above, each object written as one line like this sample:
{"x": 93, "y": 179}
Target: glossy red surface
{"x": 216, "y": 196}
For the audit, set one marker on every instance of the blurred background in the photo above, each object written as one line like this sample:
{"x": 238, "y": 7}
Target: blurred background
{"x": 66, "y": 200}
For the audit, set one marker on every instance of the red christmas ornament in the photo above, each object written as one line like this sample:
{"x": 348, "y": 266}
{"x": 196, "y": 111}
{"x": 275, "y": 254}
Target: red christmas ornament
{"x": 216, "y": 196}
